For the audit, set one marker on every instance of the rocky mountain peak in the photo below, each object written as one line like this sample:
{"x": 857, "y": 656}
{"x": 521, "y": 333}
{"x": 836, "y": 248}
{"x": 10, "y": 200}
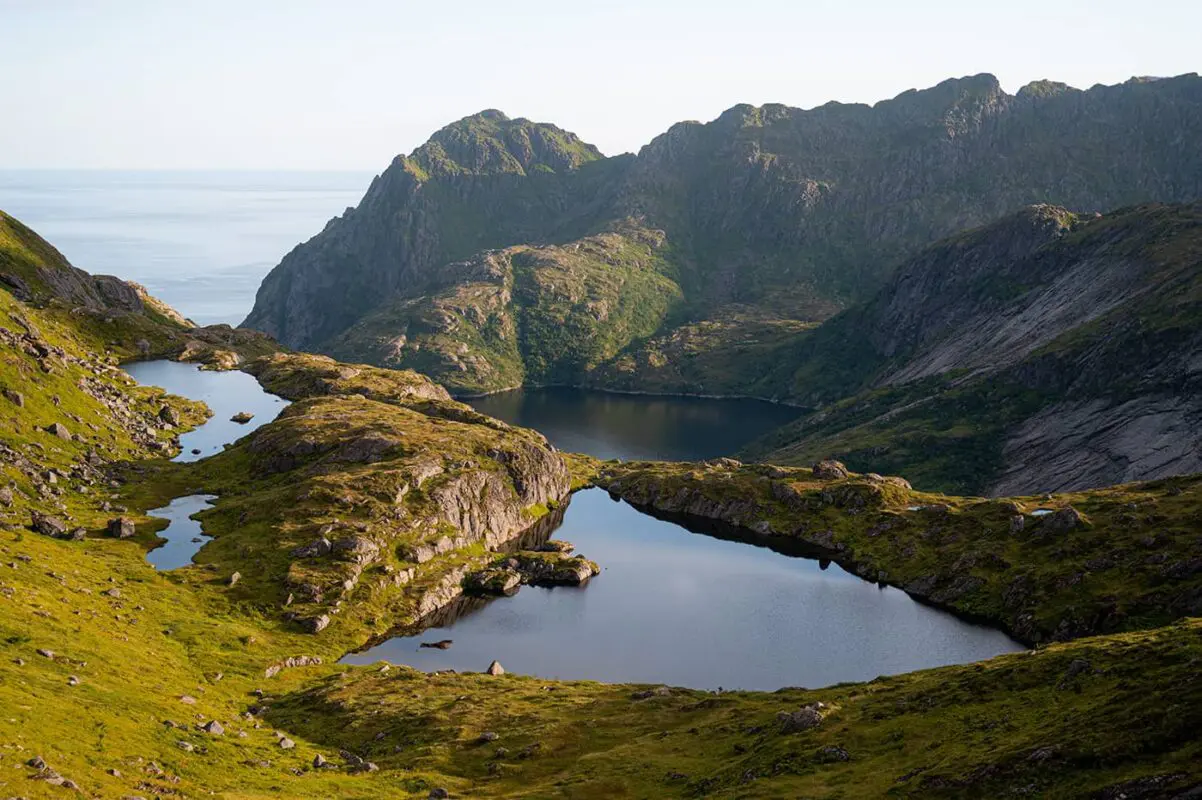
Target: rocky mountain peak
{"x": 490, "y": 143}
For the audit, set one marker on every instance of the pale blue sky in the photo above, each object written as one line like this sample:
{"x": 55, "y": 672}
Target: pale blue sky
{"x": 347, "y": 84}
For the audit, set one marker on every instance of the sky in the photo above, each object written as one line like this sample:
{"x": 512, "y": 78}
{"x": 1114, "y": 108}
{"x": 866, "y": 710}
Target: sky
{"x": 348, "y": 84}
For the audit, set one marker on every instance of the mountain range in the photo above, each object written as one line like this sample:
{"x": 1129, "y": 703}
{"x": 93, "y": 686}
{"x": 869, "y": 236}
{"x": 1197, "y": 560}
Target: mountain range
{"x": 750, "y": 255}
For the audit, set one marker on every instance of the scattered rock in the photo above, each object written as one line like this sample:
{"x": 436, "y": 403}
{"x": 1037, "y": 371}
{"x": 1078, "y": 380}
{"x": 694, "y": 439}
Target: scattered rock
{"x": 188, "y": 700}
{"x": 237, "y": 576}
{"x": 832, "y": 753}
{"x": 488, "y": 736}
{"x": 438, "y": 793}
{"x": 185, "y": 746}
{"x": 73, "y": 680}
{"x": 58, "y": 429}
{"x": 242, "y": 417}
{"x": 213, "y": 727}
{"x": 443, "y": 644}
{"x": 45, "y": 653}
{"x": 16, "y": 398}
{"x": 830, "y": 470}
{"x": 286, "y": 743}
{"x": 319, "y": 762}
{"x": 47, "y": 525}
{"x": 169, "y": 415}
{"x": 495, "y": 668}
{"x": 1063, "y": 520}
{"x": 121, "y": 527}
{"x": 808, "y": 717}
{"x": 6, "y": 496}
{"x": 316, "y": 624}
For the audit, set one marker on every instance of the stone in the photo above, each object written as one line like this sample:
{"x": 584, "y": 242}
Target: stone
{"x": 242, "y": 417}
{"x": 237, "y": 576}
{"x": 438, "y": 793}
{"x": 1063, "y": 520}
{"x": 6, "y": 496}
{"x": 60, "y": 430}
{"x": 16, "y": 398}
{"x": 495, "y": 668}
{"x": 442, "y": 644}
{"x": 195, "y": 451}
{"x": 73, "y": 680}
{"x": 797, "y": 721}
{"x": 319, "y": 761}
{"x": 316, "y": 624}
{"x": 185, "y": 746}
{"x": 45, "y": 653}
{"x": 832, "y": 753}
{"x": 1017, "y": 523}
{"x": 188, "y": 700}
{"x": 830, "y": 470}
{"x": 318, "y": 547}
{"x": 213, "y": 727}
{"x": 488, "y": 736}
{"x": 286, "y": 743}
{"x": 47, "y": 525}
{"x": 121, "y": 527}
{"x": 169, "y": 415}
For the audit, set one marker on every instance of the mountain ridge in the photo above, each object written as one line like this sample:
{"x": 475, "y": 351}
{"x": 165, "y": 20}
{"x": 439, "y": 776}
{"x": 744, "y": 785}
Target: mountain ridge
{"x": 772, "y": 217}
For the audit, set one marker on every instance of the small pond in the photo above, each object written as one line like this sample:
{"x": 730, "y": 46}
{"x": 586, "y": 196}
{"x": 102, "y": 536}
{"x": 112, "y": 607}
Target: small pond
{"x": 688, "y": 609}
{"x": 183, "y": 534}
{"x": 226, "y": 393}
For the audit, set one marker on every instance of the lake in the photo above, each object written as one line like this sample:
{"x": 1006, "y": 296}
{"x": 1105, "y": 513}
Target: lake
{"x": 687, "y": 609}
{"x": 634, "y": 427}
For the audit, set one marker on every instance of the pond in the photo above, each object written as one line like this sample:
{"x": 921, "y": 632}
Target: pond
{"x": 633, "y": 427}
{"x": 226, "y": 393}
{"x": 183, "y": 534}
{"x": 689, "y": 609}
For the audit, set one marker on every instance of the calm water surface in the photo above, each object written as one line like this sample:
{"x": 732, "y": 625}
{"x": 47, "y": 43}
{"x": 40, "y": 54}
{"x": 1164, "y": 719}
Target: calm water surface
{"x": 226, "y": 393}
{"x": 201, "y": 241}
{"x": 184, "y": 535}
{"x": 687, "y": 609}
{"x": 637, "y": 426}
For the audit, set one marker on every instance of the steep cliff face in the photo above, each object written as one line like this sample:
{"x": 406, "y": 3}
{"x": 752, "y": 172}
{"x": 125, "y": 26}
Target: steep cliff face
{"x": 1048, "y": 351}
{"x": 772, "y": 217}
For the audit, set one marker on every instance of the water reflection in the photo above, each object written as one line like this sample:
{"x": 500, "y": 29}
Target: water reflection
{"x": 681, "y": 608}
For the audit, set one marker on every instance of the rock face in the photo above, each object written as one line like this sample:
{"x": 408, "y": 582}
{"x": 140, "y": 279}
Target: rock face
{"x": 762, "y": 211}
{"x": 1049, "y": 351}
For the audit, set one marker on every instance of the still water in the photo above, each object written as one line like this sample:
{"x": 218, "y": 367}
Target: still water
{"x": 688, "y": 609}
{"x": 226, "y": 394}
{"x": 184, "y": 535}
{"x": 633, "y": 427}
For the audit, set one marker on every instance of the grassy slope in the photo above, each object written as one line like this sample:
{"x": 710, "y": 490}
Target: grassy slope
{"x": 172, "y": 634}
{"x": 138, "y": 641}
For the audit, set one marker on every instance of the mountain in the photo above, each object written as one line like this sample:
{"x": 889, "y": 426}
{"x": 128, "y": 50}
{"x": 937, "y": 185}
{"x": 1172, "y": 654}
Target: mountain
{"x": 472, "y": 256}
{"x": 1048, "y": 351}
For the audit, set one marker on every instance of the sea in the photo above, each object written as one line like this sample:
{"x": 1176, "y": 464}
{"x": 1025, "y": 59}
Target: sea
{"x": 200, "y": 241}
